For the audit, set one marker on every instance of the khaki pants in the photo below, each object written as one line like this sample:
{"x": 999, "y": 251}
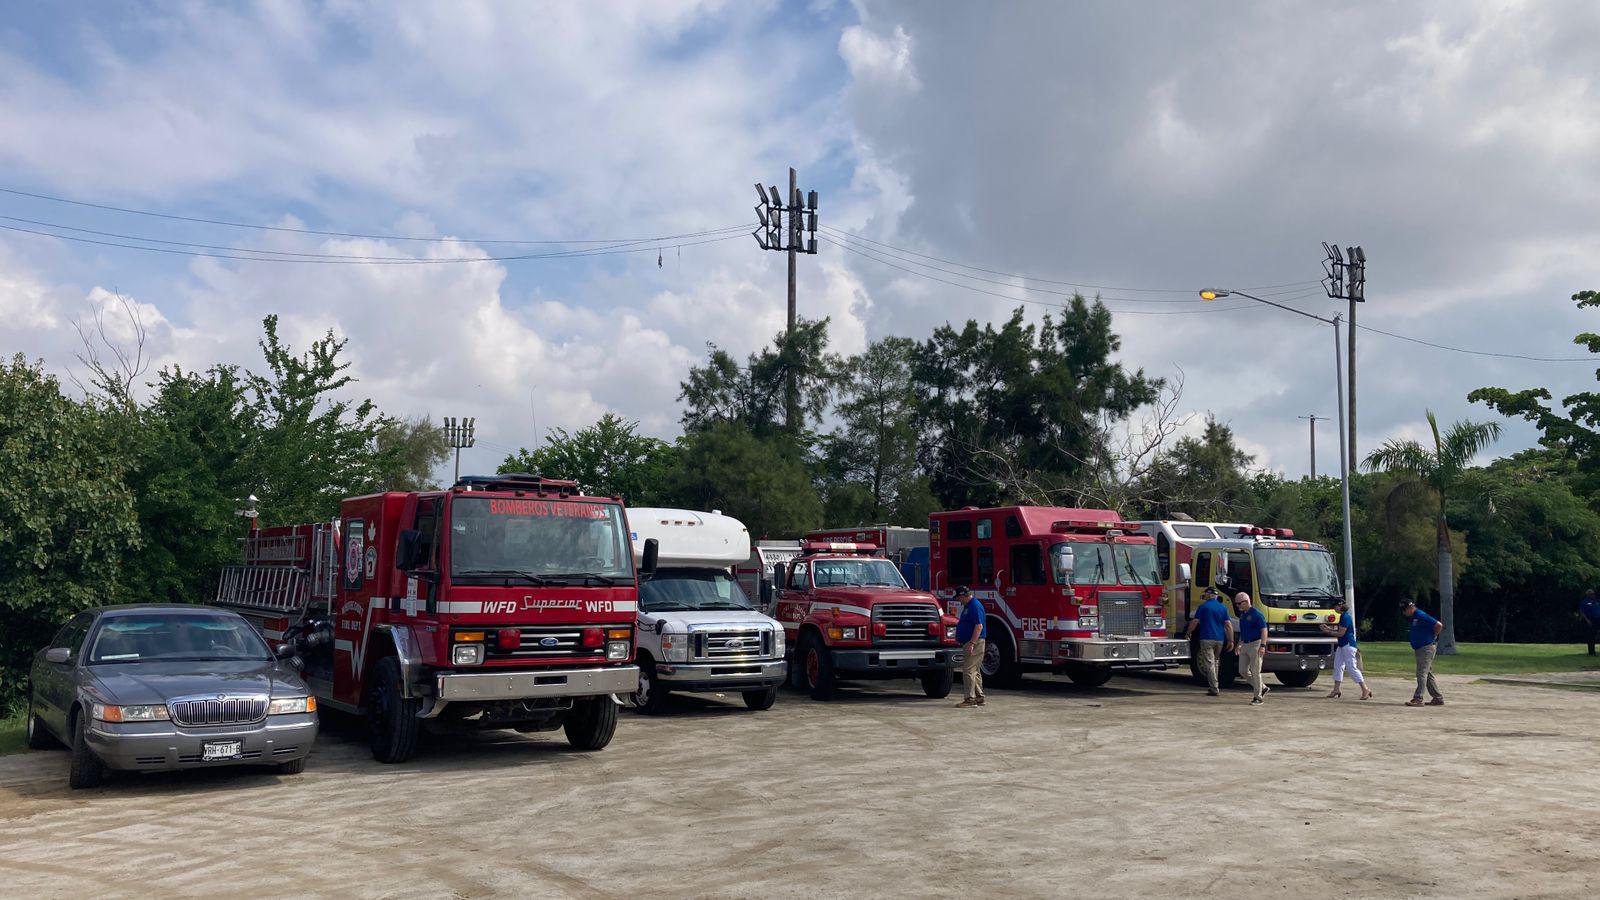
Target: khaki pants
{"x": 1210, "y": 659}
{"x": 1250, "y": 665}
{"x": 972, "y": 668}
{"x": 1425, "y": 672}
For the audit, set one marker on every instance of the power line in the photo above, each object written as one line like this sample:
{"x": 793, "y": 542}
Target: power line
{"x": 1402, "y": 337}
{"x": 1097, "y": 287}
{"x": 344, "y": 234}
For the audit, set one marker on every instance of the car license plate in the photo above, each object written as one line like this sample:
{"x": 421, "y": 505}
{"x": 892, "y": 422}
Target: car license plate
{"x": 221, "y": 750}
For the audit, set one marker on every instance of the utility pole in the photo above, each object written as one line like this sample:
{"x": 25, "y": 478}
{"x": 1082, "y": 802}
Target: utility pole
{"x": 460, "y": 434}
{"x": 1314, "y": 419}
{"x": 1347, "y": 280}
{"x": 775, "y": 232}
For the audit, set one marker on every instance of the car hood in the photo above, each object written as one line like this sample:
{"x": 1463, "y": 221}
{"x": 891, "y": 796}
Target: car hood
{"x": 157, "y": 682}
{"x": 868, "y": 596}
{"x": 699, "y": 618}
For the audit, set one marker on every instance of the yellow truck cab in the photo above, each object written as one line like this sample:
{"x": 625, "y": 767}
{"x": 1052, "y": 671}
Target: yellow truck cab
{"x": 1294, "y": 583}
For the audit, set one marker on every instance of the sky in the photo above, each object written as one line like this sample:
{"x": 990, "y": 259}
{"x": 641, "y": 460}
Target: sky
{"x": 1140, "y": 151}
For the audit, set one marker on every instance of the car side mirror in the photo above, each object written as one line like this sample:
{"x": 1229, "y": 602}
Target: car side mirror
{"x": 58, "y": 655}
{"x": 283, "y": 651}
{"x": 652, "y": 555}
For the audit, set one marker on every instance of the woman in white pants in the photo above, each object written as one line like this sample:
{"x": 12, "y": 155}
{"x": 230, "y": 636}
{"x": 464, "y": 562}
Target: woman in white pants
{"x": 1345, "y": 652}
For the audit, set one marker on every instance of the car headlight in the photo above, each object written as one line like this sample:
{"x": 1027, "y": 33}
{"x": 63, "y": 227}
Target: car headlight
{"x": 466, "y": 654}
{"x": 284, "y": 706}
{"x": 105, "y": 712}
{"x": 674, "y": 648}
{"x": 616, "y": 650}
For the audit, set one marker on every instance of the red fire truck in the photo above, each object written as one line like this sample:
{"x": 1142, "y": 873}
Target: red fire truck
{"x": 507, "y": 601}
{"x": 847, "y": 614}
{"x": 1069, "y": 590}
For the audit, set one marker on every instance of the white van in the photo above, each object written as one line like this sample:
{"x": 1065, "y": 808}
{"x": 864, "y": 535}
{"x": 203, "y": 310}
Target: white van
{"x": 698, "y": 631}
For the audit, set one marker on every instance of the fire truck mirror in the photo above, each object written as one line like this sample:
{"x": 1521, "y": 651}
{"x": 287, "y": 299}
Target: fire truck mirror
{"x": 780, "y": 574}
{"x": 652, "y": 552}
{"x": 1063, "y": 563}
{"x": 1184, "y": 573}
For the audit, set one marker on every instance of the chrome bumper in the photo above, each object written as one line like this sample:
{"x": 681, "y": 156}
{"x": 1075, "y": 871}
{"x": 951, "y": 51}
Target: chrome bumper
{"x": 1133, "y": 652}
{"x": 1304, "y": 654}
{"x": 469, "y": 686}
{"x": 722, "y": 675}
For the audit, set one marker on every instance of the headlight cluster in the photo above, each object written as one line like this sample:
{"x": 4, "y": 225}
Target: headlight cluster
{"x": 105, "y": 712}
{"x": 284, "y": 706}
{"x": 778, "y": 648}
{"x": 848, "y": 633}
{"x": 466, "y": 654}
{"x": 674, "y": 648}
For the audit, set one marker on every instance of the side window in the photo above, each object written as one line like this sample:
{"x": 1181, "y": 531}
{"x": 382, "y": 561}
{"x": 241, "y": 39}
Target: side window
{"x": 1202, "y": 568}
{"x": 960, "y": 530}
{"x": 1163, "y": 554}
{"x": 72, "y": 634}
{"x": 1013, "y": 528}
{"x": 428, "y": 525}
{"x": 799, "y": 577}
{"x": 985, "y": 529}
{"x": 1027, "y": 564}
{"x": 960, "y": 565}
{"x": 1239, "y": 573}
{"x": 985, "y": 564}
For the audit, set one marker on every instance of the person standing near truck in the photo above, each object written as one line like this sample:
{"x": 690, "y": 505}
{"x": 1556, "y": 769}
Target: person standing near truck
{"x": 972, "y": 632}
{"x": 1252, "y": 645}
{"x": 1344, "y": 653}
{"x": 1589, "y": 608}
{"x": 1425, "y": 630}
{"x": 1215, "y": 630}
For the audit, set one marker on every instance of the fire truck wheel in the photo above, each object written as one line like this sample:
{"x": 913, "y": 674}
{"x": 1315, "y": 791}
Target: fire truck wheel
{"x": 86, "y": 770}
{"x": 759, "y": 700}
{"x": 1089, "y": 676}
{"x": 391, "y": 716}
{"x": 1000, "y": 665}
{"x": 1297, "y": 679}
{"x": 937, "y": 684}
{"x": 651, "y": 696}
{"x": 292, "y": 768}
{"x": 1227, "y": 670}
{"x": 816, "y": 666}
{"x": 591, "y": 723}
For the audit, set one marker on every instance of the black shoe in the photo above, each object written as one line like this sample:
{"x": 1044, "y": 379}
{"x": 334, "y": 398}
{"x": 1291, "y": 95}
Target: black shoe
{"x": 1211, "y": 692}
{"x": 1257, "y": 701}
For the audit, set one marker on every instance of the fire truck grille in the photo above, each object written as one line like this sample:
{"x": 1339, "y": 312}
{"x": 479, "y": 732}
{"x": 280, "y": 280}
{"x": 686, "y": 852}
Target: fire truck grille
{"x": 905, "y": 623}
{"x": 551, "y": 642}
{"x": 227, "y": 711}
{"x": 742, "y": 644}
{"x": 1122, "y": 613}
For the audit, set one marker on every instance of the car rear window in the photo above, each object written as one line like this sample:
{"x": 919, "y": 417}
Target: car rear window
{"x": 175, "y": 636}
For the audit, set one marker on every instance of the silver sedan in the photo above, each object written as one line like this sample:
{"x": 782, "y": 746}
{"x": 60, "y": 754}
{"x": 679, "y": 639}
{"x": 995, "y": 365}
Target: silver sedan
{"x": 160, "y": 687}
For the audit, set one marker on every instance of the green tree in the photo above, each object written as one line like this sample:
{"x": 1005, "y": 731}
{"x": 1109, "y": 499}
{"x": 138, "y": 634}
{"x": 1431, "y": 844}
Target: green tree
{"x": 1207, "y": 477}
{"x": 1436, "y": 473}
{"x": 67, "y": 517}
{"x": 753, "y": 394}
{"x": 409, "y": 451}
{"x": 757, "y": 480}
{"x": 608, "y": 458}
{"x": 871, "y": 459}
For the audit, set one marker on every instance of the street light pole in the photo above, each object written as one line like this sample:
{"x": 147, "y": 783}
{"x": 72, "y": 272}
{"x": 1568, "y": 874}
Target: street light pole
{"x": 1344, "y": 449}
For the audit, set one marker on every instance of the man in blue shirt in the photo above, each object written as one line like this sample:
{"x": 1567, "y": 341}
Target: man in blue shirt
{"x": 1252, "y": 645}
{"x": 1345, "y": 652}
{"x": 972, "y": 631}
{"x": 1215, "y": 630}
{"x": 1590, "y": 610}
{"x": 1425, "y": 630}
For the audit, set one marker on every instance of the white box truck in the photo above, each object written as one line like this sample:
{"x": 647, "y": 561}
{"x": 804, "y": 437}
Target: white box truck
{"x": 698, "y": 630}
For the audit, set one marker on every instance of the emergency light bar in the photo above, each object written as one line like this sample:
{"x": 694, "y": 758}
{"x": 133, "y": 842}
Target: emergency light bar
{"x": 1253, "y": 531}
{"x": 1076, "y": 525}
{"x": 837, "y": 547}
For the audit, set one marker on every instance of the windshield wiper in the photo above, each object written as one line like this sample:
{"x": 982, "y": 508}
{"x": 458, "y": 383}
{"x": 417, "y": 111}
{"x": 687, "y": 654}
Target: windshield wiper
{"x": 508, "y": 573}
{"x": 603, "y": 579}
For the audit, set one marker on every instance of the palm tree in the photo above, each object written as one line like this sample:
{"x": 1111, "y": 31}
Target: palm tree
{"x": 1435, "y": 473}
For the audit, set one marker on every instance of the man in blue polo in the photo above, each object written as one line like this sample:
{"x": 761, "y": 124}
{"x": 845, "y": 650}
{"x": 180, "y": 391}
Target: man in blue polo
{"x": 1425, "y": 631}
{"x": 972, "y": 631}
{"x": 1215, "y": 630}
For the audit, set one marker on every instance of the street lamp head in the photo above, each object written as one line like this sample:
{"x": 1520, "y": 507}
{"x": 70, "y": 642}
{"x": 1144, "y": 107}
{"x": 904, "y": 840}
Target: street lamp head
{"x": 1214, "y": 293}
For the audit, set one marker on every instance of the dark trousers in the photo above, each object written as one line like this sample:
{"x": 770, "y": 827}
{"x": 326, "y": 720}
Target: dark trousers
{"x": 1594, "y": 633}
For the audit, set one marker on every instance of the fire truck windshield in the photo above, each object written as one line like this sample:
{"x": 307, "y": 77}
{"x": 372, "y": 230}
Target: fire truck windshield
{"x": 856, "y": 573}
{"x": 1136, "y": 563}
{"x": 1285, "y": 571}
{"x": 492, "y": 538}
{"x": 684, "y": 589}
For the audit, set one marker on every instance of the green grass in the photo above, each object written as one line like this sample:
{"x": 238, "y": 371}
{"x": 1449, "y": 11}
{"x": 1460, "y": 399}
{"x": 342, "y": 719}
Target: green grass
{"x": 12, "y": 734}
{"x": 1395, "y": 658}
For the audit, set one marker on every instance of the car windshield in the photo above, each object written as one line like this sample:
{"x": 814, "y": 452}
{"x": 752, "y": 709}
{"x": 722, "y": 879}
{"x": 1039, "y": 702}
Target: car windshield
{"x": 493, "y": 538}
{"x": 683, "y": 589}
{"x": 1285, "y": 571}
{"x": 856, "y": 573}
{"x": 1091, "y": 562}
{"x": 175, "y": 636}
{"x": 1136, "y": 563}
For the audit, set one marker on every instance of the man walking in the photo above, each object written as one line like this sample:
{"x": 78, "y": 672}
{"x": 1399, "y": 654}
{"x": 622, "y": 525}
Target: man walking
{"x": 1590, "y": 610}
{"x": 1344, "y": 653}
{"x": 972, "y": 631}
{"x": 1252, "y": 645}
{"x": 1215, "y": 630}
{"x": 1425, "y": 630}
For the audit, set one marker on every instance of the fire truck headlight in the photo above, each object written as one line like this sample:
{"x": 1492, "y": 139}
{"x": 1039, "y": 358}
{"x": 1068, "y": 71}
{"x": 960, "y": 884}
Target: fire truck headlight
{"x": 950, "y": 632}
{"x": 466, "y": 654}
{"x": 616, "y": 650}
{"x": 674, "y": 648}
{"x": 289, "y": 705}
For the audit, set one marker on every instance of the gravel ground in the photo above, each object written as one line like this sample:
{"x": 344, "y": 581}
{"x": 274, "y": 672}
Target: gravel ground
{"x": 1143, "y": 788}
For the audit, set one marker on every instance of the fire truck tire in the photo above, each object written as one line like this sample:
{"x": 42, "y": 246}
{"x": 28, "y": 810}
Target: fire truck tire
{"x": 292, "y": 768}
{"x": 391, "y": 716}
{"x": 1000, "y": 665}
{"x": 759, "y": 700}
{"x": 39, "y": 737}
{"x": 1297, "y": 679}
{"x": 937, "y": 685}
{"x": 591, "y": 724}
{"x": 816, "y": 668}
{"x": 651, "y": 696}
{"x": 1227, "y": 670}
{"x": 86, "y": 770}
{"x": 1089, "y": 676}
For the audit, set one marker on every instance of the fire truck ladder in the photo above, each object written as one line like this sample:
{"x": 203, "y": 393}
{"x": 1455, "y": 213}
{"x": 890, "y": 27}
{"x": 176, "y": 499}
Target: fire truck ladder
{"x": 272, "y": 588}
{"x": 271, "y": 581}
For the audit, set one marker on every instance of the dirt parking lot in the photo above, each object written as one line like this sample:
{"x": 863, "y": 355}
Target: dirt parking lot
{"x": 1143, "y": 788}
